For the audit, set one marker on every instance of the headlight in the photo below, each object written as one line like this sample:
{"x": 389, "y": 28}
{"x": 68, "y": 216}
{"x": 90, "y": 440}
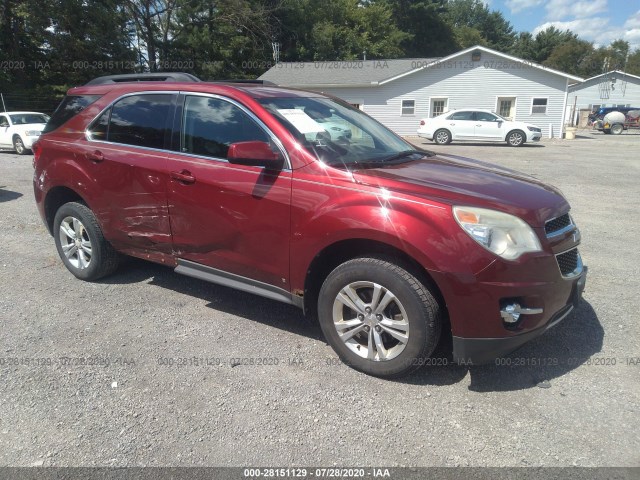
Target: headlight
{"x": 503, "y": 234}
{"x": 32, "y": 133}
{"x": 534, "y": 129}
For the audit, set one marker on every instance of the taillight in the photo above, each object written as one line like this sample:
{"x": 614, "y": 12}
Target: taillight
{"x": 421, "y": 122}
{"x": 36, "y": 148}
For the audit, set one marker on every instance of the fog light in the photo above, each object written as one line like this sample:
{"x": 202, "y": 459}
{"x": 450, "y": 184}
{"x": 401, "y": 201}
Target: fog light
{"x": 511, "y": 313}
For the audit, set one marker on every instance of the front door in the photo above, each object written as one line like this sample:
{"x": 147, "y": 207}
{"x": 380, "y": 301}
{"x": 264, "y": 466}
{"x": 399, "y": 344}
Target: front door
{"x": 488, "y": 126}
{"x": 233, "y": 218}
{"x": 5, "y": 134}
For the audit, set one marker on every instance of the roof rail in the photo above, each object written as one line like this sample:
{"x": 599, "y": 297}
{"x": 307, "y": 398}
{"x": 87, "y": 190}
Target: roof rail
{"x": 244, "y": 80}
{"x": 145, "y": 77}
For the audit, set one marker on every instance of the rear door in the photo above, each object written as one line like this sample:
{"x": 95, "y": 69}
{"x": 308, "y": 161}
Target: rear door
{"x": 229, "y": 217}
{"x": 125, "y": 156}
{"x": 461, "y": 125}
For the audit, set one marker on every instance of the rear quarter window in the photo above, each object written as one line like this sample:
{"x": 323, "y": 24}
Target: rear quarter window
{"x": 69, "y": 108}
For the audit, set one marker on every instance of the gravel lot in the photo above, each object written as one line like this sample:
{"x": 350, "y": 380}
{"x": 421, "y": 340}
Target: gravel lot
{"x": 129, "y": 408}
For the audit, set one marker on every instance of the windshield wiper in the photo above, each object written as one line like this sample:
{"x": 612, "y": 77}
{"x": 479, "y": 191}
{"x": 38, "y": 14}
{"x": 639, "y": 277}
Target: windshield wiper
{"x": 377, "y": 162}
{"x": 398, "y": 156}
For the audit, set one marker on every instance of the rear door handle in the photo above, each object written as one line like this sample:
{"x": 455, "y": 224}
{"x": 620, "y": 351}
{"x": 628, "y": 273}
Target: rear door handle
{"x": 183, "y": 176}
{"x": 96, "y": 157}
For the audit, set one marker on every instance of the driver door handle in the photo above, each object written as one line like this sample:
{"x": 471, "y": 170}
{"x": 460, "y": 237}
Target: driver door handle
{"x": 183, "y": 176}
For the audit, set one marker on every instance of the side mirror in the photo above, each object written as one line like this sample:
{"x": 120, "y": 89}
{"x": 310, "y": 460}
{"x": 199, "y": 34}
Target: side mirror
{"x": 4, "y": 125}
{"x": 258, "y": 154}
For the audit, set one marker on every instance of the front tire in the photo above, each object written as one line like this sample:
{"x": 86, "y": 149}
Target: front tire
{"x": 516, "y": 138}
{"x": 442, "y": 137}
{"x": 378, "y": 317}
{"x": 18, "y": 146}
{"x": 81, "y": 244}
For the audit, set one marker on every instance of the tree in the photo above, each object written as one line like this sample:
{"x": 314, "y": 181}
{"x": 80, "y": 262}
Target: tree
{"x": 633, "y": 63}
{"x": 85, "y": 39}
{"x": 494, "y": 28}
{"x": 573, "y": 56}
{"x": 425, "y": 22}
{"x": 338, "y": 30}
{"x": 546, "y": 40}
{"x": 524, "y": 46}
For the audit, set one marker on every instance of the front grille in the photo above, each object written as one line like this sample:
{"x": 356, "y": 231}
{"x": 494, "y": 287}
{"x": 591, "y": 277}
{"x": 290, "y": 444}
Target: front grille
{"x": 557, "y": 224}
{"x": 568, "y": 262}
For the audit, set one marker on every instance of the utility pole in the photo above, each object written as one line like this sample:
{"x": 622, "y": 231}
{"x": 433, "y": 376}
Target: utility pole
{"x": 4, "y": 108}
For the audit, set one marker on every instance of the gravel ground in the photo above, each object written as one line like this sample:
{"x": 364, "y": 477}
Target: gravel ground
{"x": 300, "y": 407}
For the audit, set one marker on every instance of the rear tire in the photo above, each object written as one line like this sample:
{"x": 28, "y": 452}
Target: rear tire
{"x": 617, "y": 129}
{"x": 378, "y": 317}
{"x": 81, "y": 244}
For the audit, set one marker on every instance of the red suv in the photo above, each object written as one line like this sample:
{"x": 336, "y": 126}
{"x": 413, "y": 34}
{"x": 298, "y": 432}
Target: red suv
{"x": 301, "y": 198}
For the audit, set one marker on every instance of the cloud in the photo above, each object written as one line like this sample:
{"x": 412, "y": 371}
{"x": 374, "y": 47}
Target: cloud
{"x": 633, "y": 22}
{"x": 518, "y": 5}
{"x": 563, "y": 9}
{"x": 599, "y": 29}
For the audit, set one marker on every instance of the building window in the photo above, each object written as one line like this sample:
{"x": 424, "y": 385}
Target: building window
{"x": 438, "y": 106}
{"x": 595, "y": 108}
{"x": 539, "y": 105}
{"x": 408, "y": 107}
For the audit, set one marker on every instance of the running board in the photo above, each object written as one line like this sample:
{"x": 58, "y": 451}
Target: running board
{"x": 231, "y": 280}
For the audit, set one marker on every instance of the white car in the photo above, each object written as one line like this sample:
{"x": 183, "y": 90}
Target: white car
{"x": 334, "y": 130}
{"x": 19, "y": 130}
{"x": 477, "y": 125}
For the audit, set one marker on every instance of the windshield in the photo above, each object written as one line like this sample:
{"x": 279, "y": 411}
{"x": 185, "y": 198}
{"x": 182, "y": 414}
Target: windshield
{"x": 28, "y": 118}
{"x": 338, "y": 134}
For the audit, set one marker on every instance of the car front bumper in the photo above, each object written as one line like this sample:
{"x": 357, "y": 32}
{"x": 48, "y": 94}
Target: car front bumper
{"x": 28, "y": 141}
{"x": 478, "y": 351}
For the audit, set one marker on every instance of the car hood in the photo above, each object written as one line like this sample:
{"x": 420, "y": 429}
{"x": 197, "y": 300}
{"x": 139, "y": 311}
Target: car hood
{"x": 514, "y": 124}
{"x": 29, "y": 126}
{"x": 463, "y": 181}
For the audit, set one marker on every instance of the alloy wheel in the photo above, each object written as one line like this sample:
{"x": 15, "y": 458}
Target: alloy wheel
{"x": 75, "y": 242}
{"x": 371, "y": 321}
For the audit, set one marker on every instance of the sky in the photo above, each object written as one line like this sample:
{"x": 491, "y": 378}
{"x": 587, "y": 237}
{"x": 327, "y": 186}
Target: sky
{"x": 598, "y": 21}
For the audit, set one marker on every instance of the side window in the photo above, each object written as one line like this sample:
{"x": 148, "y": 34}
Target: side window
{"x": 486, "y": 117}
{"x": 140, "y": 120}
{"x": 408, "y": 107}
{"x": 210, "y": 125}
{"x": 539, "y": 105}
{"x": 461, "y": 116}
{"x": 3, "y": 121}
{"x": 68, "y": 108}
{"x": 100, "y": 126}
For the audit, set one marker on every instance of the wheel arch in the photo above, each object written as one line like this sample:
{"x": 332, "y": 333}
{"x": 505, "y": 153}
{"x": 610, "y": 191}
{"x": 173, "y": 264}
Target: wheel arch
{"x": 517, "y": 129}
{"x": 439, "y": 129}
{"x": 55, "y": 198}
{"x": 343, "y": 250}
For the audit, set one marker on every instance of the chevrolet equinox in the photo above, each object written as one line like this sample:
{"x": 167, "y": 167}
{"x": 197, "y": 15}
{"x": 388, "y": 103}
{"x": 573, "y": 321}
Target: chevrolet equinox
{"x": 302, "y": 198}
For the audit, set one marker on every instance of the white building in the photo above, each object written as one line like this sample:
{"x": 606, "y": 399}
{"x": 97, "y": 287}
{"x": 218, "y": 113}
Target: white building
{"x": 611, "y": 89}
{"x": 399, "y": 93}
